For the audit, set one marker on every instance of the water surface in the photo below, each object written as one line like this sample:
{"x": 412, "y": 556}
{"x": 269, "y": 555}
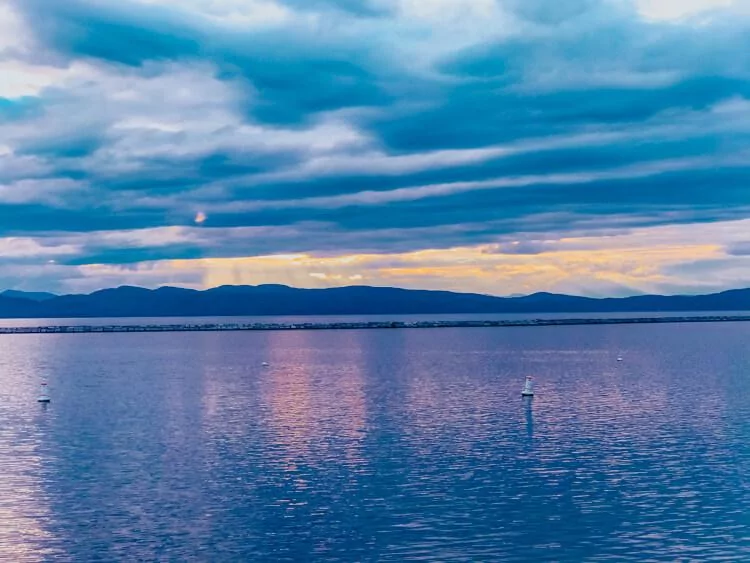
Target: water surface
{"x": 378, "y": 445}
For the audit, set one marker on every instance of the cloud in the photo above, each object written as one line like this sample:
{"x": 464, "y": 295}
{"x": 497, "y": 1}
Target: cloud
{"x": 147, "y": 133}
{"x": 50, "y": 192}
{"x": 739, "y": 248}
{"x": 356, "y": 7}
{"x": 253, "y": 13}
{"x": 676, "y": 9}
{"x": 291, "y": 73}
{"x": 626, "y": 264}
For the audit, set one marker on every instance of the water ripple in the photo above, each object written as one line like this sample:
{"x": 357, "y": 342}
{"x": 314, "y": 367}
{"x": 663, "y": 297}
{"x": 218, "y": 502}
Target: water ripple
{"x": 378, "y": 446}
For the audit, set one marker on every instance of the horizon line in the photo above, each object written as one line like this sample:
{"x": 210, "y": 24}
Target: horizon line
{"x": 512, "y": 296}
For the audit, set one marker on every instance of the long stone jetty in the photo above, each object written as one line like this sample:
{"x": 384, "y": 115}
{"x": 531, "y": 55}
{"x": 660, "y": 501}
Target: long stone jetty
{"x": 363, "y": 325}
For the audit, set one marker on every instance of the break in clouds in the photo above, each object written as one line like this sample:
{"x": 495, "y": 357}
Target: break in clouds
{"x": 591, "y": 146}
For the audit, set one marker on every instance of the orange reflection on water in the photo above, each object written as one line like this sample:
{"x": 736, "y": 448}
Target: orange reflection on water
{"x": 315, "y": 396}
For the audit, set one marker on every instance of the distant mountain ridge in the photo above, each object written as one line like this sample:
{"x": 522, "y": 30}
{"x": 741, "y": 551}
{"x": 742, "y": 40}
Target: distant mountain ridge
{"x": 280, "y": 300}
{"x": 32, "y": 295}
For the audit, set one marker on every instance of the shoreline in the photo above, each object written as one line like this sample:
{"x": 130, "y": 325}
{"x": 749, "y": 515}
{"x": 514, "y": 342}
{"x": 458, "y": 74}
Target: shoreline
{"x": 365, "y": 325}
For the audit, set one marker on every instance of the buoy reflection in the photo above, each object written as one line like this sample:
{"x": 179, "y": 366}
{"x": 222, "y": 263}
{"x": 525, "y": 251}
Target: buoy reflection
{"x": 529, "y": 411}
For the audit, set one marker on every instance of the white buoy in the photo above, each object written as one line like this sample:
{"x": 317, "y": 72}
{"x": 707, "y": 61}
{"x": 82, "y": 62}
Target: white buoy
{"x": 265, "y": 364}
{"x": 528, "y": 388}
{"x": 619, "y": 358}
{"x": 43, "y": 394}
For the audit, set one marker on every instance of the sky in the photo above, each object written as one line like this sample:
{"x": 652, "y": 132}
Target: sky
{"x": 590, "y": 147}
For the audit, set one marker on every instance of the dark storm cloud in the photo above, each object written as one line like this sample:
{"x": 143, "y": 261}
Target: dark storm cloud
{"x": 38, "y": 219}
{"x": 603, "y": 67}
{"x": 296, "y": 72}
{"x": 507, "y": 115}
{"x": 673, "y": 198}
{"x": 551, "y": 161}
{"x": 14, "y": 110}
{"x": 122, "y": 32}
{"x": 356, "y": 7}
{"x": 551, "y": 12}
{"x": 134, "y": 255}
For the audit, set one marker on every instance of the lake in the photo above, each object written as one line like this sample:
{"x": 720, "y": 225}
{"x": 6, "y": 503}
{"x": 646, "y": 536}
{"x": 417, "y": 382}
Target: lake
{"x": 387, "y": 445}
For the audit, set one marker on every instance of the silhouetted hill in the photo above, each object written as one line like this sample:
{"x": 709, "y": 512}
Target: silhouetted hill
{"x": 32, "y": 295}
{"x": 279, "y": 300}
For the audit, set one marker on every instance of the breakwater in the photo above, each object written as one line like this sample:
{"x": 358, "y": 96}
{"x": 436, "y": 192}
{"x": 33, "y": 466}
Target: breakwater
{"x": 363, "y": 325}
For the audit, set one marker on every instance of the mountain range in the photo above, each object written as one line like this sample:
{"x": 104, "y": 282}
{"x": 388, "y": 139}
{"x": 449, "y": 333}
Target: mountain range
{"x": 280, "y": 300}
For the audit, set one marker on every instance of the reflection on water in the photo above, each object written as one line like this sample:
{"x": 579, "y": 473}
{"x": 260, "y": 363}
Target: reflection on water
{"x": 528, "y": 404}
{"x": 378, "y": 446}
{"x": 24, "y": 506}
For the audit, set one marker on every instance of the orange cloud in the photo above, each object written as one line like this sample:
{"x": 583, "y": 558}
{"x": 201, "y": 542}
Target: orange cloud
{"x": 476, "y": 268}
{"x": 641, "y": 260}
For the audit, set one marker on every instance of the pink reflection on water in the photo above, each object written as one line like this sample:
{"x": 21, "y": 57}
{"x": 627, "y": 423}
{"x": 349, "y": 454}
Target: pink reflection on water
{"x": 315, "y": 398}
{"x": 24, "y": 506}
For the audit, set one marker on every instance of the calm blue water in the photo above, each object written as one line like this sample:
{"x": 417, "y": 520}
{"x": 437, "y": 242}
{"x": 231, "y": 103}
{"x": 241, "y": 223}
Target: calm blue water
{"x": 378, "y": 445}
